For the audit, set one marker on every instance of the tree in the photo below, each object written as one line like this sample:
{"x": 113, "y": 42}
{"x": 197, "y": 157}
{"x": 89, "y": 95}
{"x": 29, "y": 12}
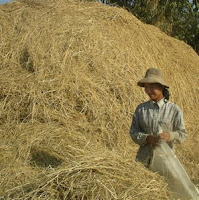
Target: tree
{"x": 178, "y": 18}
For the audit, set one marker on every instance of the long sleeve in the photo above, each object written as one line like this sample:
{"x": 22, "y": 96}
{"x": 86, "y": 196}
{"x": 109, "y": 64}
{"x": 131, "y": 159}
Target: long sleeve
{"x": 179, "y": 134}
{"x": 138, "y": 136}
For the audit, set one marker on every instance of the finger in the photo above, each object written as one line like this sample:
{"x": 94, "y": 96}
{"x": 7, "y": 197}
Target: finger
{"x": 158, "y": 144}
{"x": 152, "y": 146}
{"x": 161, "y": 136}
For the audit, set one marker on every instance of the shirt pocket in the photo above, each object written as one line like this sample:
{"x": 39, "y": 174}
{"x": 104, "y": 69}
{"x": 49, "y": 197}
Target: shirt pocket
{"x": 165, "y": 124}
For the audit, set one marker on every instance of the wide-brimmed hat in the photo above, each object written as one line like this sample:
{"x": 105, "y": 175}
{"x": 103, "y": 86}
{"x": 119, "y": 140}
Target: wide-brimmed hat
{"x": 153, "y": 75}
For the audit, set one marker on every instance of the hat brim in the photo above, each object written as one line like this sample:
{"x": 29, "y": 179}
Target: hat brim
{"x": 142, "y": 82}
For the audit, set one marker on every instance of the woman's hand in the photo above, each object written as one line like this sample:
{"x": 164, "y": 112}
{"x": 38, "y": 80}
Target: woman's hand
{"x": 153, "y": 140}
{"x": 165, "y": 136}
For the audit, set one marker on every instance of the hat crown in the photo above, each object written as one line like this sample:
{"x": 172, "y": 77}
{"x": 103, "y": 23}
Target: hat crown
{"x": 153, "y": 75}
{"x": 154, "y": 72}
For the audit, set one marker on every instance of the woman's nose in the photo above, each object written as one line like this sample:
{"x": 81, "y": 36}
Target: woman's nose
{"x": 148, "y": 90}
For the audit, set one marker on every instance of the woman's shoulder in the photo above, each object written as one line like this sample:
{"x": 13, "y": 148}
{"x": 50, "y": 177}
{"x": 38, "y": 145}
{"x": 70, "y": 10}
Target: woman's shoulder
{"x": 173, "y": 106}
{"x": 143, "y": 105}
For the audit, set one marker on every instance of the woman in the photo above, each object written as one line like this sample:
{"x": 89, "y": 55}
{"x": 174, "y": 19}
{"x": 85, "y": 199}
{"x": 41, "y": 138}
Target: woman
{"x": 157, "y": 118}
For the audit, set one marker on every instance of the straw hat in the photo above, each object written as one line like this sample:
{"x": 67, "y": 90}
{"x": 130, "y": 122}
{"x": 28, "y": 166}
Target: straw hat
{"x": 153, "y": 75}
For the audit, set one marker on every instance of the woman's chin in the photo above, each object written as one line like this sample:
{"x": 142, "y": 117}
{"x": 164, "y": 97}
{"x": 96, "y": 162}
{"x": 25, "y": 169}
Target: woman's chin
{"x": 153, "y": 99}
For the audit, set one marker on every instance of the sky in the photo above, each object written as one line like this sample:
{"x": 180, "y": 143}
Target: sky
{"x": 4, "y": 1}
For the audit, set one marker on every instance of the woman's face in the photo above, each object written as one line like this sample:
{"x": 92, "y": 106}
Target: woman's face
{"x": 154, "y": 91}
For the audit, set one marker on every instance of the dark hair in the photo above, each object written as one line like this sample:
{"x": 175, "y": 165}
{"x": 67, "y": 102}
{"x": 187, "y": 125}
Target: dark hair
{"x": 166, "y": 93}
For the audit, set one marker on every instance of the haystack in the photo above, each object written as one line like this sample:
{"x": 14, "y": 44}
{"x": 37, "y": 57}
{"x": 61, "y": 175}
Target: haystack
{"x": 68, "y": 74}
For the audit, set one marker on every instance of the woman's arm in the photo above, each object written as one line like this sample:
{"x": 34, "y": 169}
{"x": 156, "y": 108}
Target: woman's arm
{"x": 179, "y": 134}
{"x": 138, "y": 136}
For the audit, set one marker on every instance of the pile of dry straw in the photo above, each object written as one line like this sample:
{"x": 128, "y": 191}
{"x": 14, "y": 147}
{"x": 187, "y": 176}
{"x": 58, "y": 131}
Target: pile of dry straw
{"x": 68, "y": 73}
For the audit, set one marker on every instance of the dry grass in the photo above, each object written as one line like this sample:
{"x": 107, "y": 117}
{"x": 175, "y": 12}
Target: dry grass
{"x": 68, "y": 73}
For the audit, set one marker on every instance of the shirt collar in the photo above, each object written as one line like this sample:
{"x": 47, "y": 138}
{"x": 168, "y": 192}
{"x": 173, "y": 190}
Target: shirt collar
{"x": 159, "y": 103}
